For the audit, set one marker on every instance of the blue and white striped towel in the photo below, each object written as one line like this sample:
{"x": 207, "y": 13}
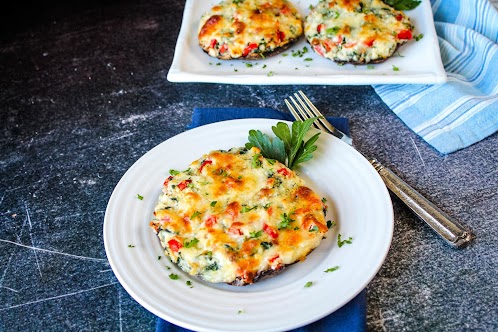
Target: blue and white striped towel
{"x": 464, "y": 110}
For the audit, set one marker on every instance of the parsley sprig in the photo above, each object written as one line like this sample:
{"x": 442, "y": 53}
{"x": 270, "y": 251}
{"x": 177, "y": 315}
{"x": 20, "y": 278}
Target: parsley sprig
{"x": 403, "y": 4}
{"x": 288, "y": 146}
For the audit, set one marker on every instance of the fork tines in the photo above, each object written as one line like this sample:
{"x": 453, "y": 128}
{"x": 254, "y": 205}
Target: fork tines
{"x": 304, "y": 109}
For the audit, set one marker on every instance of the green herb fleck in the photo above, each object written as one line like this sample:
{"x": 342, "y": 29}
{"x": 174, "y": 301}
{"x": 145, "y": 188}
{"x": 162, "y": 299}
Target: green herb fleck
{"x": 266, "y": 245}
{"x": 314, "y": 228}
{"x": 285, "y": 221}
{"x": 255, "y": 161}
{"x": 418, "y": 37}
{"x": 308, "y": 59}
{"x": 140, "y": 197}
{"x": 213, "y": 203}
{"x": 195, "y": 214}
{"x": 395, "y": 68}
{"x": 159, "y": 257}
{"x": 245, "y": 208}
{"x": 330, "y": 224}
{"x": 332, "y": 269}
{"x": 370, "y": 66}
{"x": 255, "y": 235}
{"x": 191, "y": 243}
{"x": 241, "y": 312}
{"x": 131, "y": 246}
{"x": 308, "y": 284}
{"x": 332, "y": 31}
{"x": 173, "y": 172}
{"x": 189, "y": 283}
{"x": 248, "y": 65}
{"x": 270, "y": 74}
{"x": 341, "y": 242}
{"x": 173, "y": 276}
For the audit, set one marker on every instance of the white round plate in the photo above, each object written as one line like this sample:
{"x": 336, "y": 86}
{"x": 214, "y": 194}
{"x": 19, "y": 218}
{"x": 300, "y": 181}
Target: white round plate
{"x": 358, "y": 202}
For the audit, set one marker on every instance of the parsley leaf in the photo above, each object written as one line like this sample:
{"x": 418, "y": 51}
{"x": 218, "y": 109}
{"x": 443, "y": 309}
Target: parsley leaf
{"x": 403, "y": 4}
{"x": 173, "y": 276}
{"x": 273, "y": 149}
{"x": 308, "y": 284}
{"x": 285, "y": 221}
{"x": 140, "y": 197}
{"x": 332, "y": 269}
{"x": 296, "y": 149}
{"x": 341, "y": 242}
{"x": 191, "y": 243}
{"x": 288, "y": 146}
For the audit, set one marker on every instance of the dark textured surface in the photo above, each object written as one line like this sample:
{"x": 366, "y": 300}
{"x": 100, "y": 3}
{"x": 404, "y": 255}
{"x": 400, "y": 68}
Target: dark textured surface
{"x": 83, "y": 94}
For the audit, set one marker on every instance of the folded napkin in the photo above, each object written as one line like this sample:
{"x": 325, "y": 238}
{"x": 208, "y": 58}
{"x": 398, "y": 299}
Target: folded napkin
{"x": 352, "y": 316}
{"x": 464, "y": 110}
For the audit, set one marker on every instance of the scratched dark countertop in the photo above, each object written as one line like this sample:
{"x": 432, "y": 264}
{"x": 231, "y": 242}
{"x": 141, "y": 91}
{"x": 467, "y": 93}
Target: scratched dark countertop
{"x": 83, "y": 95}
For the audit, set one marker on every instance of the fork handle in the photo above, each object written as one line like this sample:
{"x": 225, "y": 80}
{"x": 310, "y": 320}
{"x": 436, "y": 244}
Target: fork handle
{"x": 452, "y": 232}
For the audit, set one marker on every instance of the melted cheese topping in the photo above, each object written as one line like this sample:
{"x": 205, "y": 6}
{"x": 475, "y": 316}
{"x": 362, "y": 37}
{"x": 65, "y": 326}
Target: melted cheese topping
{"x": 233, "y": 215}
{"x": 249, "y": 28}
{"x": 357, "y": 31}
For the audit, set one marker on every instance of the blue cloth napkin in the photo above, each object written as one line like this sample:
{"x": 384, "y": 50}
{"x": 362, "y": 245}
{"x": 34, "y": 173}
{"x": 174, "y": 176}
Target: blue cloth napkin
{"x": 464, "y": 110}
{"x": 349, "y": 318}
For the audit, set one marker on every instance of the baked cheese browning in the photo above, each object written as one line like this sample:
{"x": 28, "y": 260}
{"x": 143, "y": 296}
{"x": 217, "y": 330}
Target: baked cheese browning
{"x": 356, "y": 31}
{"x": 249, "y": 29}
{"x": 236, "y": 217}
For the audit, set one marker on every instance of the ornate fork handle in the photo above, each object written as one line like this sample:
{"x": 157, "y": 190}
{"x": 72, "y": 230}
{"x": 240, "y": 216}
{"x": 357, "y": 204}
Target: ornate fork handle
{"x": 453, "y": 233}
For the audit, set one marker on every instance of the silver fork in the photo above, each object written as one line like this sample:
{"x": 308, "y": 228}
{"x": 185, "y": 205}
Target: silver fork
{"x": 452, "y": 232}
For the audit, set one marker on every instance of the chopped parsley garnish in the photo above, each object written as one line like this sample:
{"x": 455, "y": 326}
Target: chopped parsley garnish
{"x": 308, "y": 284}
{"x": 248, "y": 65}
{"x": 270, "y": 74}
{"x": 395, "y": 68}
{"x": 131, "y": 246}
{"x": 314, "y": 228}
{"x": 332, "y": 269}
{"x": 300, "y": 53}
{"x": 324, "y": 200}
{"x": 254, "y": 234}
{"x": 140, "y": 197}
{"x": 158, "y": 257}
{"x": 173, "y": 276}
{"x": 332, "y": 31}
{"x": 195, "y": 214}
{"x": 418, "y": 37}
{"x": 341, "y": 242}
{"x": 266, "y": 245}
{"x": 288, "y": 146}
{"x": 240, "y": 312}
{"x": 370, "y": 66}
{"x": 189, "y": 283}
{"x": 213, "y": 203}
{"x": 191, "y": 243}
{"x": 255, "y": 161}
{"x": 245, "y": 208}
{"x": 308, "y": 59}
{"x": 285, "y": 221}
{"x": 173, "y": 172}
{"x": 330, "y": 224}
